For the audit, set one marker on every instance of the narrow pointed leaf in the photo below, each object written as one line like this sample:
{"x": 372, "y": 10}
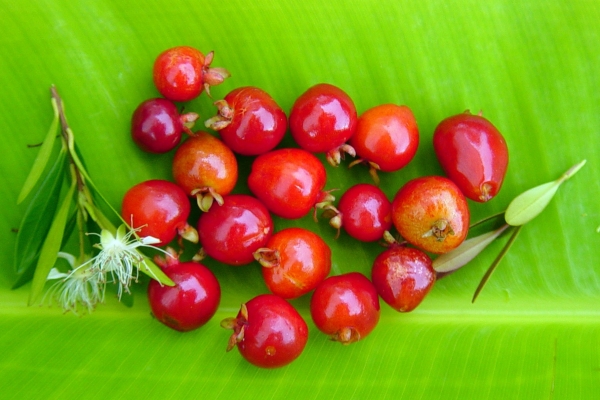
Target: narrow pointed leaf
{"x": 41, "y": 161}
{"x": 467, "y": 251}
{"x": 530, "y": 204}
{"x": 51, "y": 247}
{"x": 37, "y": 220}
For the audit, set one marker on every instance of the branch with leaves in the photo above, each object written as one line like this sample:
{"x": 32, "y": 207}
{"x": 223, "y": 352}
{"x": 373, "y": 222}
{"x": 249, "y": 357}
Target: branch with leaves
{"x": 55, "y": 213}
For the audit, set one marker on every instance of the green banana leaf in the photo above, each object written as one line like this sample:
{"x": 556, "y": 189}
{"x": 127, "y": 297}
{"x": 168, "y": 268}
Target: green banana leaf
{"x": 530, "y": 66}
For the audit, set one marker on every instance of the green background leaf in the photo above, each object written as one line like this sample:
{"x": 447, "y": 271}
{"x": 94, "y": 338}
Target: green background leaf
{"x": 531, "y": 66}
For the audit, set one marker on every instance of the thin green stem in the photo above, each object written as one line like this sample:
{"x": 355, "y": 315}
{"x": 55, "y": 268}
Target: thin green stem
{"x": 486, "y": 219}
{"x": 492, "y": 267}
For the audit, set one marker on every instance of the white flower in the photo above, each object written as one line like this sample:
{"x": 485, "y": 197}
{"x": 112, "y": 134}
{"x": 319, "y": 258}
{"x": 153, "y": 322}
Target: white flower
{"x": 80, "y": 287}
{"x": 119, "y": 256}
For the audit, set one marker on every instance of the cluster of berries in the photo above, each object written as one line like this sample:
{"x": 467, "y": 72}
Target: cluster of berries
{"x": 430, "y": 214}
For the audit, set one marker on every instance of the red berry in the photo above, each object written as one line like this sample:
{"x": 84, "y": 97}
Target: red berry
{"x": 403, "y": 276}
{"x": 205, "y": 168}
{"x": 181, "y": 73}
{"x": 473, "y": 154}
{"x": 295, "y": 261}
{"x": 431, "y": 213}
{"x": 268, "y": 331}
{"x": 249, "y": 121}
{"x": 289, "y": 182}
{"x": 345, "y": 307}
{"x": 193, "y": 300}
{"x": 156, "y": 125}
{"x": 386, "y": 137}
{"x": 364, "y": 212}
{"x": 232, "y": 232}
{"x": 322, "y": 120}
{"x": 159, "y": 209}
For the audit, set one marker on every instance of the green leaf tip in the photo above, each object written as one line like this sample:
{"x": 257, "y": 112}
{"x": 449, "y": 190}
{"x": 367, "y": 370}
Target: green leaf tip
{"x": 41, "y": 161}
{"x": 532, "y": 202}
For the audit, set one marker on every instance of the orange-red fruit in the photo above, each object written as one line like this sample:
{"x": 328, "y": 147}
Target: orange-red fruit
{"x": 386, "y": 135}
{"x": 203, "y": 164}
{"x": 431, "y": 213}
{"x": 473, "y": 154}
{"x": 177, "y": 73}
{"x": 295, "y": 260}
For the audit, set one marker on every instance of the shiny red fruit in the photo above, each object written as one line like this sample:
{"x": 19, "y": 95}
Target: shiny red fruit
{"x": 473, "y": 154}
{"x": 268, "y": 331}
{"x": 386, "y": 137}
{"x": 323, "y": 119}
{"x": 193, "y": 300}
{"x": 289, "y": 182}
{"x": 249, "y": 121}
{"x": 181, "y": 73}
{"x": 431, "y": 213}
{"x": 364, "y": 212}
{"x": 156, "y": 125}
{"x": 160, "y": 209}
{"x": 403, "y": 276}
{"x": 232, "y": 232}
{"x": 345, "y": 307}
{"x": 205, "y": 168}
{"x": 295, "y": 261}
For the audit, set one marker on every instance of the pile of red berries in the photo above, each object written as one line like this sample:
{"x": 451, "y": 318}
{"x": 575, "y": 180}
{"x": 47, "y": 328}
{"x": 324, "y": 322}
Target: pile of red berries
{"x": 430, "y": 213}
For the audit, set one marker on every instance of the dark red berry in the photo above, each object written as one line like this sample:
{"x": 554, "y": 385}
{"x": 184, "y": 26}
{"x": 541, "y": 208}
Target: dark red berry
{"x": 403, "y": 276}
{"x": 268, "y": 331}
{"x": 160, "y": 209}
{"x": 289, "y": 182}
{"x": 345, "y": 307}
{"x": 363, "y": 211}
{"x": 156, "y": 125}
{"x": 473, "y": 154}
{"x": 431, "y": 213}
{"x": 249, "y": 121}
{"x": 322, "y": 120}
{"x": 193, "y": 300}
{"x": 295, "y": 261}
{"x": 232, "y": 232}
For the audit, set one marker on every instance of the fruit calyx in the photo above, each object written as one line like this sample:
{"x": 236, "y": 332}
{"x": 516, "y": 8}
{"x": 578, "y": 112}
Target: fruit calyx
{"x": 212, "y": 76}
{"x": 346, "y": 336}
{"x": 440, "y": 229}
{"x": 223, "y": 118}
{"x": 188, "y": 120}
{"x": 335, "y": 218}
{"x": 373, "y": 168}
{"x": 266, "y": 257}
{"x": 238, "y": 324}
{"x": 205, "y": 197}
{"x": 324, "y": 200}
{"x": 335, "y": 156}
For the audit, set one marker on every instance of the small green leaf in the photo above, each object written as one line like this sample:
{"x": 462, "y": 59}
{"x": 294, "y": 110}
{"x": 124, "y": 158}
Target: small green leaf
{"x": 153, "y": 271}
{"x": 41, "y": 161}
{"x": 467, "y": 251}
{"x": 532, "y": 202}
{"x": 51, "y": 247}
{"x": 38, "y": 217}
